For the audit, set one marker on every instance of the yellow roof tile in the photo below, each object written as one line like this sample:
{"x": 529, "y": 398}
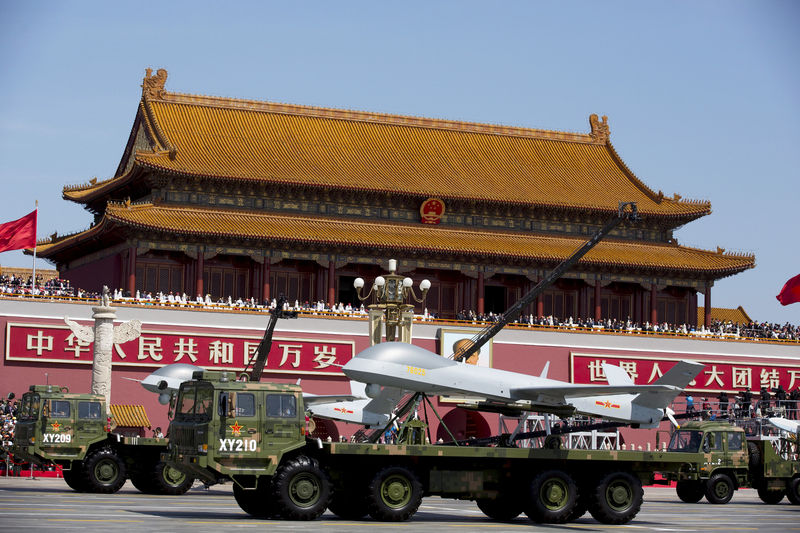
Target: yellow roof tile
{"x": 130, "y": 416}
{"x": 277, "y": 228}
{"x": 735, "y": 316}
{"x": 301, "y": 145}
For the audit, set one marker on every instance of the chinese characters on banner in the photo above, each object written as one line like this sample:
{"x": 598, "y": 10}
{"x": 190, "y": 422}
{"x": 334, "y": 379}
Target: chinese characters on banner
{"x": 716, "y": 376}
{"x": 55, "y": 343}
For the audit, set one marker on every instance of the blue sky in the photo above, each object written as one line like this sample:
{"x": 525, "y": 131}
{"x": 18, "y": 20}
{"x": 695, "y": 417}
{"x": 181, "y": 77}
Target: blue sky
{"x": 702, "y": 97}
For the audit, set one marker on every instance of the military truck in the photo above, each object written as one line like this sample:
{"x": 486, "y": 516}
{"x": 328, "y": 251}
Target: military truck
{"x": 731, "y": 459}
{"x": 255, "y": 435}
{"x": 55, "y": 426}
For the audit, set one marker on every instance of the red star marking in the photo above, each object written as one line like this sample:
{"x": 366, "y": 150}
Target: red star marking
{"x": 236, "y": 428}
{"x": 56, "y": 426}
{"x": 607, "y": 404}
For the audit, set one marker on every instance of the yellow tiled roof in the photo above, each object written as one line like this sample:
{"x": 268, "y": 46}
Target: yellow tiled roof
{"x": 301, "y": 145}
{"x": 735, "y": 316}
{"x": 278, "y": 228}
{"x": 130, "y": 416}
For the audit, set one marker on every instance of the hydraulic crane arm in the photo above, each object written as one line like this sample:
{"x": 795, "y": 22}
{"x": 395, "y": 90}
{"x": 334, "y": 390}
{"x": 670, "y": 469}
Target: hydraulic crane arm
{"x": 627, "y": 211}
{"x": 259, "y": 359}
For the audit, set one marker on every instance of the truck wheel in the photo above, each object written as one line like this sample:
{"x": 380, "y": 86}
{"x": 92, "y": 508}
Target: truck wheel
{"x": 552, "y": 498}
{"x": 165, "y": 479}
{"x": 793, "y": 490}
{"x": 719, "y": 489}
{"x": 617, "y": 498}
{"x": 301, "y": 489}
{"x": 394, "y": 494}
{"x": 505, "y": 507}
{"x": 771, "y": 497}
{"x": 690, "y": 491}
{"x": 256, "y": 502}
{"x": 74, "y": 477}
{"x": 104, "y": 471}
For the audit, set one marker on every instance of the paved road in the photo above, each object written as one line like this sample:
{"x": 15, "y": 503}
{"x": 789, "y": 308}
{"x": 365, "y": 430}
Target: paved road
{"x": 49, "y": 505}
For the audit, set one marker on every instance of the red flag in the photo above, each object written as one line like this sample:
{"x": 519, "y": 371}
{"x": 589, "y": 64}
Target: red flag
{"x": 18, "y": 234}
{"x": 790, "y": 293}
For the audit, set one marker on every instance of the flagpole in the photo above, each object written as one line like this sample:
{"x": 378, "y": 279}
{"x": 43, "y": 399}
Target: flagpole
{"x": 33, "y": 278}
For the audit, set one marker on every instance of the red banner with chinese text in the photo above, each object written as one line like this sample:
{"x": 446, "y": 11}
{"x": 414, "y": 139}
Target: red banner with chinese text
{"x": 716, "y": 376}
{"x": 154, "y": 348}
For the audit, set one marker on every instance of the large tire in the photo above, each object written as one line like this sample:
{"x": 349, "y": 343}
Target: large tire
{"x": 394, "y": 494}
{"x": 301, "y": 489}
{"x": 256, "y": 502}
{"x": 104, "y": 471}
{"x": 793, "y": 490}
{"x": 165, "y": 479}
{"x": 505, "y": 507}
{"x": 719, "y": 489}
{"x": 617, "y": 498}
{"x": 74, "y": 477}
{"x": 552, "y": 498}
{"x": 690, "y": 491}
{"x": 771, "y": 497}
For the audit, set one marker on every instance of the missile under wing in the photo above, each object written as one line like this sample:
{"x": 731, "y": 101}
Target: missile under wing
{"x": 409, "y": 367}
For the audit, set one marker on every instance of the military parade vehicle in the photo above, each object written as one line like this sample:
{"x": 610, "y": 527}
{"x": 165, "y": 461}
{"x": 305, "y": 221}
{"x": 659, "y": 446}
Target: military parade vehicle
{"x": 71, "y": 430}
{"x": 255, "y": 435}
{"x": 732, "y": 457}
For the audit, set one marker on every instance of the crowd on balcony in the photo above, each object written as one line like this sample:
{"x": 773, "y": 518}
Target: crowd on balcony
{"x": 751, "y": 330}
{"x": 60, "y": 288}
{"x": 12, "y": 285}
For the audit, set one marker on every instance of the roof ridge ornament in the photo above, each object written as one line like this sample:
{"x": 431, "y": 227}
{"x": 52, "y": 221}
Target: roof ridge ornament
{"x": 153, "y": 85}
{"x": 600, "y": 130}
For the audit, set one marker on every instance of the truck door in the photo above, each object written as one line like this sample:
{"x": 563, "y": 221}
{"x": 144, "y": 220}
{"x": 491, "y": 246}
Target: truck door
{"x": 241, "y": 428}
{"x": 90, "y": 424}
{"x": 58, "y": 425}
{"x": 282, "y": 421}
{"x": 736, "y": 453}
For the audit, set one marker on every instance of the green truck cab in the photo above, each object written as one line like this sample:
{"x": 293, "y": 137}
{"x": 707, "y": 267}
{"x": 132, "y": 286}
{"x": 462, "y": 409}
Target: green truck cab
{"x": 729, "y": 460}
{"x": 254, "y": 435}
{"x": 72, "y": 430}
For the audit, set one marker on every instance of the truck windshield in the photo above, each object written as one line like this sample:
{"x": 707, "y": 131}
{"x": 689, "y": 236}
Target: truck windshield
{"x": 30, "y": 407}
{"x": 685, "y": 440}
{"x": 194, "y": 401}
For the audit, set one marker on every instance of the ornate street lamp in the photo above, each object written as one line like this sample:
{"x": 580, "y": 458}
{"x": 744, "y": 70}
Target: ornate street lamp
{"x": 391, "y": 291}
